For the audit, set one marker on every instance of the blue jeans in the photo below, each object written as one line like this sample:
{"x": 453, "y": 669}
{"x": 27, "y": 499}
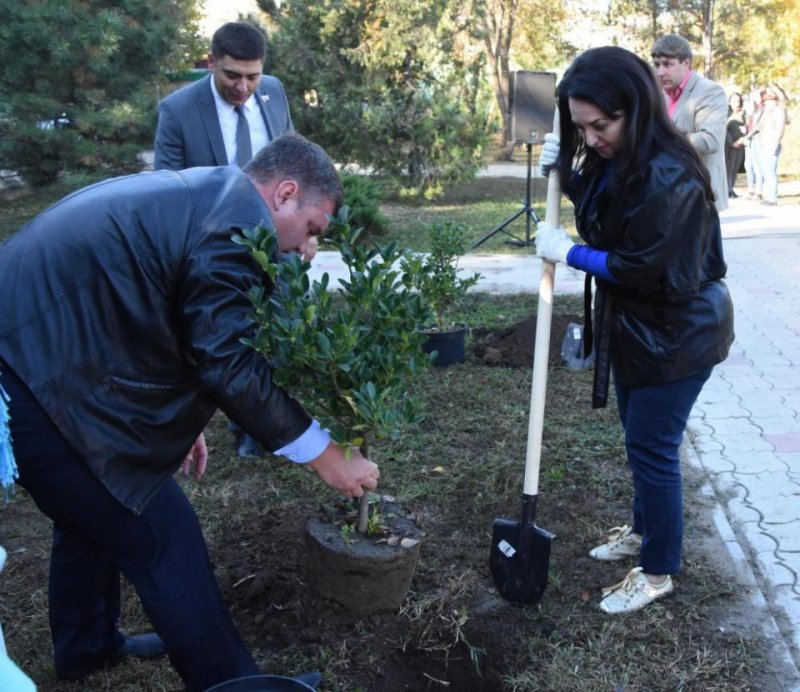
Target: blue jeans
{"x": 751, "y": 168}
{"x": 768, "y": 161}
{"x": 161, "y": 552}
{"x": 654, "y": 419}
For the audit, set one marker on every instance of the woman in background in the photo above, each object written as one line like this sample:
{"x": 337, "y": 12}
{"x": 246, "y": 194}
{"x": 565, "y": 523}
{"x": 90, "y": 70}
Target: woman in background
{"x": 735, "y": 139}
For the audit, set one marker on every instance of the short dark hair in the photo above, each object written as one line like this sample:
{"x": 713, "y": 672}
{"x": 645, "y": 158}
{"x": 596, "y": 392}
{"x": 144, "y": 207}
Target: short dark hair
{"x": 293, "y": 156}
{"x": 240, "y": 40}
{"x": 621, "y": 84}
{"x": 672, "y": 46}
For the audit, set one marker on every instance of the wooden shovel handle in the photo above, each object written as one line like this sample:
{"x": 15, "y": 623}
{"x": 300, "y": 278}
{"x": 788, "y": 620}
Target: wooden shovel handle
{"x": 541, "y": 349}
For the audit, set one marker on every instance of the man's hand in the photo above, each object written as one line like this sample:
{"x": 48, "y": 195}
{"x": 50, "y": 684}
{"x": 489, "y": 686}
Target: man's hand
{"x": 549, "y": 156}
{"x": 552, "y": 244}
{"x": 310, "y": 249}
{"x": 197, "y": 456}
{"x": 349, "y": 473}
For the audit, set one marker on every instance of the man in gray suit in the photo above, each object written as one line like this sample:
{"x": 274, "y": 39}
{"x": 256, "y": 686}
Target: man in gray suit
{"x": 198, "y": 124}
{"x": 697, "y": 106}
{"x": 224, "y": 119}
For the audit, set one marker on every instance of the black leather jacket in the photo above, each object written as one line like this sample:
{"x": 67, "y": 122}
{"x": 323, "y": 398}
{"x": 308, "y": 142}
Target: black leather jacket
{"x": 124, "y": 305}
{"x": 670, "y": 316}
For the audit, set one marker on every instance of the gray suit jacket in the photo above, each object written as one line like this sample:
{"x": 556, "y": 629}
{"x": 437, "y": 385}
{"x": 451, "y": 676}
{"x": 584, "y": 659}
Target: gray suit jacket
{"x": 188, "y": 132}
{"x": 702, "y": 115}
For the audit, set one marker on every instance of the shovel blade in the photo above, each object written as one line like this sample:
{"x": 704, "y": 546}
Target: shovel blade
{"x": 519, "y": 560}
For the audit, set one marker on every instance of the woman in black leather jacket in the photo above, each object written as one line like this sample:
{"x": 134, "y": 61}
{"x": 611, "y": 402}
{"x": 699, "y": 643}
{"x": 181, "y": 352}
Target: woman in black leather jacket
{"x": 662, "y": 314}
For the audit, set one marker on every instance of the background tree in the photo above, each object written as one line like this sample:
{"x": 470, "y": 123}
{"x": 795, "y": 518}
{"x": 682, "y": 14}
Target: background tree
{"x": 747, "y": 42}
{"x": 77, "y": 80}
{"x": 519, "y": 34}
{"x": 396, "y": 87}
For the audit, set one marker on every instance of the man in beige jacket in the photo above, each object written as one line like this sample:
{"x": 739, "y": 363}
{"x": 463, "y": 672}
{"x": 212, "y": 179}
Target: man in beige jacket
{"x": 697, "y": 106}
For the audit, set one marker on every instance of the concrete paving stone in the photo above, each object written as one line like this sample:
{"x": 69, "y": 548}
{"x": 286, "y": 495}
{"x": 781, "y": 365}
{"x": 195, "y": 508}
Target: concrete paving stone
{"x": 727, "y": 414}
{"x": 785, "y": 442}
{"x": 767, "y": 406}
{"x": 716, "y": 462}
{"x": 729, "y": 410}
{"x": 735, "y": 359}
{"x": 741, "y": 512}
{"x": 747, "y": 381}
{"x": 768, "y": 487}
{"x": 755, "y": 463}
{"x": 750, "y": 442}
{"x": 790, "y": 381}
{"x": 775, "y": 573}
{"x": 707, "y": 445}
{"x": 792, "y": 461}
{"x": 777, "y": 424}
{"x": 701, "y": 428}
{"x": 791, "y": 398}
{"x": 758, "y": 540}
{"x": 788, "y": 538}
{"x": 715, "y": 387}
{"x": 777, "y": 510}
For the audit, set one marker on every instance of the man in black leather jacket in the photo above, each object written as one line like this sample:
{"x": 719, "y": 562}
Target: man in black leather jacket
{"x": 124, "y": 309}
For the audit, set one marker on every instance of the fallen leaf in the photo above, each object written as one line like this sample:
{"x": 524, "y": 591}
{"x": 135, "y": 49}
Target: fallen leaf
{"x": 408, "y": 542}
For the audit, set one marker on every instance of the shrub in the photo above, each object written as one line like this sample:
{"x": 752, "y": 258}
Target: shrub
{"x": 363, "y": 197}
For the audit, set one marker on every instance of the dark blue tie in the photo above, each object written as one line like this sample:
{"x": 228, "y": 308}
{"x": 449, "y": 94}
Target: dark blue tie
{"x": 244, "y": 150}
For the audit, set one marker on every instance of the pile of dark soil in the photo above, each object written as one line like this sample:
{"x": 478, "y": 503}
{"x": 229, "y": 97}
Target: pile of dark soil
{"x": 512, "y": 347}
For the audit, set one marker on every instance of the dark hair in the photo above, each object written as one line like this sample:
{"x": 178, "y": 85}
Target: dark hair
{"x": 294, "y": 157}
{"x": 738, "y": 96}
{"x": 620, "y": 83}
{"x": 672, "y": 46}
{"x": 240, "y": 40}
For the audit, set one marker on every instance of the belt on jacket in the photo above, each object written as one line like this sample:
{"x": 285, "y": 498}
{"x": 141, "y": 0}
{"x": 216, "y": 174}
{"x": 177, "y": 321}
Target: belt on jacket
{"x": 597, "y": 337}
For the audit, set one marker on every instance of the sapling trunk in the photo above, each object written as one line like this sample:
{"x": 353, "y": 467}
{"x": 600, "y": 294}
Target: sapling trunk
{"x": 363, "y": 501}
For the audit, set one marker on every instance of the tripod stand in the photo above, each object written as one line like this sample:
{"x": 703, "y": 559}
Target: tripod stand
{"x": 526, "y": 209}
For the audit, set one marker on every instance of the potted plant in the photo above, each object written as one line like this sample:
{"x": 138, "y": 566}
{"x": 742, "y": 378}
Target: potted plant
{"x": 351, "y": 356}
{"x": 440, "y": 286}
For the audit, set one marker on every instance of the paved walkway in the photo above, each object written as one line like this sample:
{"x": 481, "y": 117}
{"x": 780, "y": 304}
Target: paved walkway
{"x": 745, "y": 428}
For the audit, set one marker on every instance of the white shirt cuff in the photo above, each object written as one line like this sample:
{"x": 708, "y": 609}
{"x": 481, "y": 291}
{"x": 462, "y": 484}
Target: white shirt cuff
{"x": 308, "y": 446}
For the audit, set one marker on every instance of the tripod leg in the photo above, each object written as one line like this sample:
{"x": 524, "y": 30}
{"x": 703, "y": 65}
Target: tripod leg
{"x": 500, "y": 228}
{"x": 526, "y": 209}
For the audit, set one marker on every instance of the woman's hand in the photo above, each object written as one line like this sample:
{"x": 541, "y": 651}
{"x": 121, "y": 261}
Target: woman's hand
{"x": 549, "y": 156}
{"x": 552, "y": 244}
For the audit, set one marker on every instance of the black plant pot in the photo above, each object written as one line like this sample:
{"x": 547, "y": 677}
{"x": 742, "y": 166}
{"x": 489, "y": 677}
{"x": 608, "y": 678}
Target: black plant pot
{"x": 267, "y": 683}
{"x": 449, "y": 346}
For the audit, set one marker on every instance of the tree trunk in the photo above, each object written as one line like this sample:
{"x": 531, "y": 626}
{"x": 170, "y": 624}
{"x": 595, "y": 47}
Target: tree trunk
{"x": 363, "y": 501}
{"x": 499, "y": 27}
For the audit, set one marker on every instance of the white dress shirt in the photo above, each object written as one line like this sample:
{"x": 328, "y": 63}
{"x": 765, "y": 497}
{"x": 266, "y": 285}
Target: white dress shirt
{"x": 226, "y": 113}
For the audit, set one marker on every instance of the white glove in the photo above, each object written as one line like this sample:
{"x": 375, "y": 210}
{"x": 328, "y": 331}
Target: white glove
{"x": 550, "y": 149}
{"x": 552, "y": 244}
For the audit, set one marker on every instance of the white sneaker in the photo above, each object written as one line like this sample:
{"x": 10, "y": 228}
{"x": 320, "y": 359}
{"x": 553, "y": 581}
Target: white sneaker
{"x": 621, "y": 543}
{"x": 633, "y": 592}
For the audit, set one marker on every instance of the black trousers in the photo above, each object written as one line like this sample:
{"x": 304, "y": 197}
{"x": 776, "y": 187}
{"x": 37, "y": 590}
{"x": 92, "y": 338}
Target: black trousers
{"x": 161, "y": 552}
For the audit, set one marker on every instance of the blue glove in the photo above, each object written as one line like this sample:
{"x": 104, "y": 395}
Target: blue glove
{"x": 549, "y": 155}
{"x": 552, "y": 244}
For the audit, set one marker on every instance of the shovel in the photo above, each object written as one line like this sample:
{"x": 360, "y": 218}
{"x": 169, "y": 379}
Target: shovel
{"x": 520, "y": 552}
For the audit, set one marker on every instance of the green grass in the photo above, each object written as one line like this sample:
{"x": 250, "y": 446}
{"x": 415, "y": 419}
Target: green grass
{"x": 481, "y": 205}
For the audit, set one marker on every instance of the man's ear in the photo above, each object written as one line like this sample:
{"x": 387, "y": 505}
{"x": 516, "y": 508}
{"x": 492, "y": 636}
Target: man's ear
{"x": 285, "y": 191}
